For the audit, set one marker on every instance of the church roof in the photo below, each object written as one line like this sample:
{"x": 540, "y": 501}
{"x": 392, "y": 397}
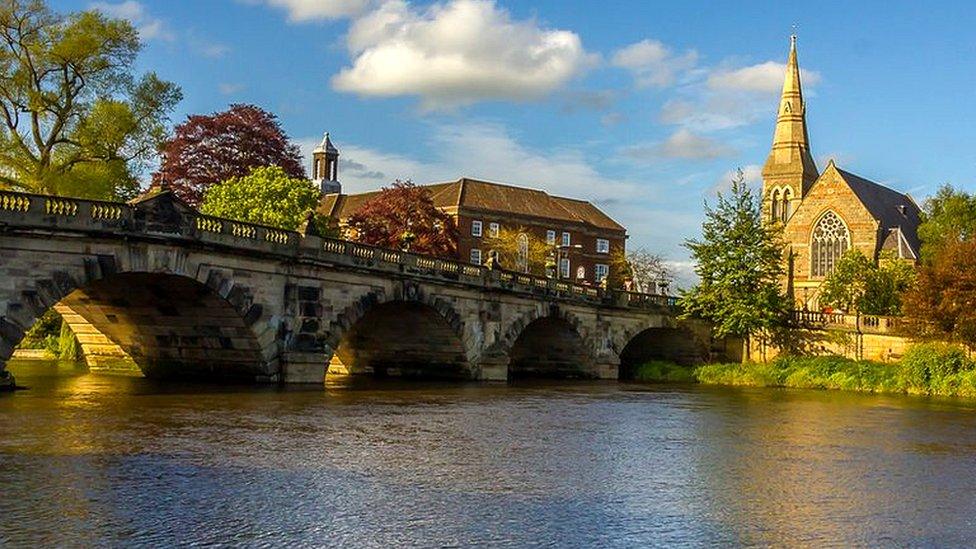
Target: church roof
{"x": 489, "y": 197}
{"x": 890, "y": 208}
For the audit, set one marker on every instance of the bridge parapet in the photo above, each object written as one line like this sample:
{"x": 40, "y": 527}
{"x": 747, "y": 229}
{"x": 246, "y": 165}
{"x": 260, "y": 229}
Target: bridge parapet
{"x": 163, "y": 216}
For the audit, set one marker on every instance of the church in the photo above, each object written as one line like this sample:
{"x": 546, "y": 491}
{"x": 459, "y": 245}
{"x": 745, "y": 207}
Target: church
{"x": 826, "y": 213}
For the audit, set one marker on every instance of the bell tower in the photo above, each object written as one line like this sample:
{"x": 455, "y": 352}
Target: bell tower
{"x": 325, "y": 167}
{"x": 789, "y": 171}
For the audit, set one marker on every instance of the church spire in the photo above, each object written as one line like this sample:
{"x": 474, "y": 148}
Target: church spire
{"x": 790, "y": 165}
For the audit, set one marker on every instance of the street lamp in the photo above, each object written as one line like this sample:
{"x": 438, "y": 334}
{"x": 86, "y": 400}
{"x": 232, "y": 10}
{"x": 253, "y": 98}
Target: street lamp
{"x": 558, "y": 252}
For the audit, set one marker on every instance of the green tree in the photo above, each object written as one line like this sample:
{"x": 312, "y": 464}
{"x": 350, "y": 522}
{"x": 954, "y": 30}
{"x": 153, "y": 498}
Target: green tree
{"x": 859, "y": 285}
{"x": 520, "y": 250}
{"x": 739, "y": 263}
{"x": 948, "y": 217}
{"x": 267, "y": 196}
{"x": 73, "y": 117}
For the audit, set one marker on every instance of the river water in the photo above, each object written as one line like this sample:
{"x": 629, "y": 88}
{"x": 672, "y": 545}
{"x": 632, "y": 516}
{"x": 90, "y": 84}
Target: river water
{"x": 91, "y": 460}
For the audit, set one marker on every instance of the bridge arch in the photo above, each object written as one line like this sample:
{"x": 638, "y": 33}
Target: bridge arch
{"x": 678, "y": 342}
{"x": 549, "y": 343}
{"x": 151, "y": 315}
{"x": 411, "y": 333}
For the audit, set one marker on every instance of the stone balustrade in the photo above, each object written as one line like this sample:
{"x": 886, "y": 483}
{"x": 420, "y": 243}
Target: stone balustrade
{"x": 866, "y": 324}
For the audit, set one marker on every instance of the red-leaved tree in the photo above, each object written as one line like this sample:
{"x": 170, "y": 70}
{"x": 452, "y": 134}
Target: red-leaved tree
{"x": 942, "y": 304}
{"x": 208, "y": 149}
{"x": 403, "y": 216}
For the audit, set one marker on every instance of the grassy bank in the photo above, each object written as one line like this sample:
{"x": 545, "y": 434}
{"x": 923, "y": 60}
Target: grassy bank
{"x": 927, "y": 369}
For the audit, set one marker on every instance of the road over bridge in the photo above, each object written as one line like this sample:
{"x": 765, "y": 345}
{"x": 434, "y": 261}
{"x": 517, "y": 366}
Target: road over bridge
{"x": 182, "y": 294}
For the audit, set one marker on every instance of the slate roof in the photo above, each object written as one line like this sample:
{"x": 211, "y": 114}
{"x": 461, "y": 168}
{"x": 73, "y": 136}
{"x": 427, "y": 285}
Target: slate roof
{"x": 892, "y": 210}
{"x": 485, "y": 196}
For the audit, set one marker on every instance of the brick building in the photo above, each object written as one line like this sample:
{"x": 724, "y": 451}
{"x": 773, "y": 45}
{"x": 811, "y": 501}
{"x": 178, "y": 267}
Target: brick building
{"x": 583, "y": 238}
{"x": 825, "y": 214}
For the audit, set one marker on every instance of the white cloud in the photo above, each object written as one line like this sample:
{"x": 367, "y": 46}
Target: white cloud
{"x": 652, "y": 63}
{"x": 149, "y": 27}
{"x": 764, "y": 77}
{"x": 456, "y": 53}
{"x": 682, "y": 144}
{"x": 751, "y": 175}
{"x": 230, "y": 88}
{"x": 485, "y": 151}
{"x": 311, "y": 10}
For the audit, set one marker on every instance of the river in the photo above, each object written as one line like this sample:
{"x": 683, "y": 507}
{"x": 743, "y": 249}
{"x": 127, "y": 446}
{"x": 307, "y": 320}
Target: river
{"x": 119, "y": 461}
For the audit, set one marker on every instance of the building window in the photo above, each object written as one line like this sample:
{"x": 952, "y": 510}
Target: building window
{"x": 493, "y": 230}
{"x": 566, "y": 240}
{"x": 602, "y": 246}
{"x": 564, "y": 267}
{"x": 476, "y": 228}
{"x": 829, "y": 241}
{"x": 774, "y": 207}
{"x": 523, "y": 252}
{"x": 786, "y": 207}
{"x": 475, "y": 256}
{"x": 551, "y": 238}
{"x": 600, "y": 272}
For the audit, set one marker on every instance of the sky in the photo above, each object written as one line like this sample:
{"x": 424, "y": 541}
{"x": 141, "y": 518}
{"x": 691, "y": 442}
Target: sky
{"x": 645, "y": 108}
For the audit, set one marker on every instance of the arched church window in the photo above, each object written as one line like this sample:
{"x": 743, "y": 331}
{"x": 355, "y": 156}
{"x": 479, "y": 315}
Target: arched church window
{"x": 787, "y": 206}
{"x": 829, "y": 241}
{"x": 774, "y": 209}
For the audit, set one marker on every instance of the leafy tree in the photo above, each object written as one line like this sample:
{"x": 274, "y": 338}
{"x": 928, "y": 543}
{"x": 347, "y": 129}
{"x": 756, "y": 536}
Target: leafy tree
{"x": 208, "y": 149}
{"x": 267, "y": 196}
{"x": 520, "y": 250}
{"x": 403, "y": 216}
{"x": 949, "y": 216}
{"x": 647, "y": 270}
{"x": 857, "y": 284}
{"x": 739, "y": 262}
{"x": 73, "y": 117}
{"x": 942, "y": 303}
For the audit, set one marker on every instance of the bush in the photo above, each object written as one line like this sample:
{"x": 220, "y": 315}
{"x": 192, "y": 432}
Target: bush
{"x": 932, "y": 368}
{"x": 661, "y": 371}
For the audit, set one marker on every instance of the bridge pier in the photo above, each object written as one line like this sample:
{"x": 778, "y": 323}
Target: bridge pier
{"x": 299, "y": 367}
{"x": 493, "y": 368}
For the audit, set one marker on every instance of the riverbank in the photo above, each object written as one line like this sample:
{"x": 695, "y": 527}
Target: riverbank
{"x": 927, "y": 369}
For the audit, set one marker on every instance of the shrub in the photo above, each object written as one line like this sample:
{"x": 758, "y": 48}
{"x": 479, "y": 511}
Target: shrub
{"x": 661, "y": 371}
{"x": 932, "y": 368}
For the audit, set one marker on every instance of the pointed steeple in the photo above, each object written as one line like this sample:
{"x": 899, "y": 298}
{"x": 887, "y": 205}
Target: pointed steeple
{"x": 790, "y": 165}
{"x": 325, "y": 166}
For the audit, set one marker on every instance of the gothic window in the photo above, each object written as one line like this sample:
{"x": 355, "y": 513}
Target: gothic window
{"x": 786, "y": 207}
{"x": 829, "y": 241}
{"x": 774, "y": 210}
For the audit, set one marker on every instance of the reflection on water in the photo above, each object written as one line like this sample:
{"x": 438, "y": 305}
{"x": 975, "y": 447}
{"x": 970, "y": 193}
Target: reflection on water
{"x": 90, "y": 459}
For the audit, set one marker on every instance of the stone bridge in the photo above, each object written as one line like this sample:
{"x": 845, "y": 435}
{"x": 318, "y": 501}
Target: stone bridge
{"x": 179, "y": 293}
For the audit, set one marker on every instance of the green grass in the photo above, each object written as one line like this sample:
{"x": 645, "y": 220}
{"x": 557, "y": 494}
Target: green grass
{"x": 926, "y": 369}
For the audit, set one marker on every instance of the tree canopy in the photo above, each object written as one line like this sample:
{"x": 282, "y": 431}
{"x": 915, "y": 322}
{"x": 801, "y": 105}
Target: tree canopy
{"x": 208, "y": 149}
{"x": 942, "y": 303}
{"x": 267, "y": 196}
{"x": 948, "y": 217}
{"x": 74, "y": 119}
{"x": 520, "y": 250}
{"x": 739, "y": 262}
{"x": 858, "y": 284}
{"x": 648, "y": 271}
{"x": 403, "y": 216}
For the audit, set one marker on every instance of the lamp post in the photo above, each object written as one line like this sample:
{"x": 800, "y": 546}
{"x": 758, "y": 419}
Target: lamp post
{"x": 408, "y": 237}
{"x": 561, "y": 251}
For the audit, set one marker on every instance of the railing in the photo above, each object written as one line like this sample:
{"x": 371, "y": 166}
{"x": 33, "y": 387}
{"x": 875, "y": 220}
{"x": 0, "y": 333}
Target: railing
{"x": 870, "y": 324}
{"x": 177, "y": 221}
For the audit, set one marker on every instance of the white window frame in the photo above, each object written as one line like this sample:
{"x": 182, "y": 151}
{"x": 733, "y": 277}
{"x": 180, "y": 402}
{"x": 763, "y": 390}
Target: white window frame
{"x": 602, "y": 246}
{"x": 564, "y": 267}
{"x": 551, "y": 237}
{"x": 475, "y": 256}
{"x": 493, "y": 229}
{"x": 600, "y": 271}
{"x": 567, "y": 239}
{"x": 476, "y": 227}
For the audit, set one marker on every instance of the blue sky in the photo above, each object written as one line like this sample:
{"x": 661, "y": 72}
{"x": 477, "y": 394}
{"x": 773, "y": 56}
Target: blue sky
{"x": 643, "y": 107}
